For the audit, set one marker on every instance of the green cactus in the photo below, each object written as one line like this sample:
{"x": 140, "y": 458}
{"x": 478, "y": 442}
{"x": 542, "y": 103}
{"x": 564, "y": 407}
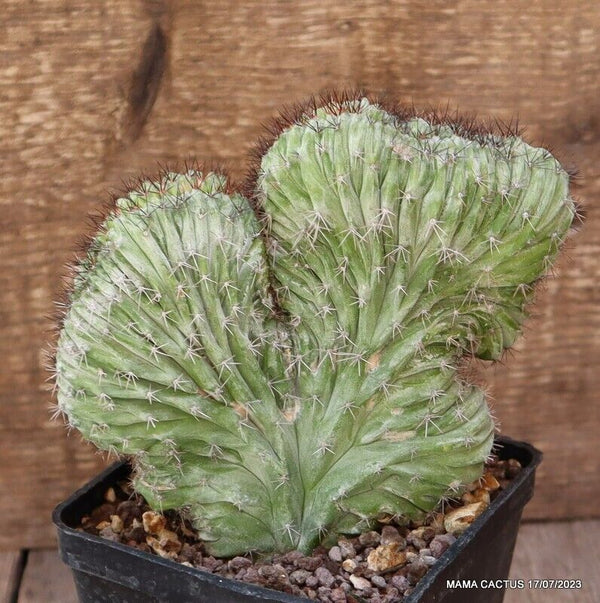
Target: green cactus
{"x": 289, "y": 377}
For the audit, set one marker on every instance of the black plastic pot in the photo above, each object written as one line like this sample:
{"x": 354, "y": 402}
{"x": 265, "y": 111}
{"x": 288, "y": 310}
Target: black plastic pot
{"x": 107, "y": 571}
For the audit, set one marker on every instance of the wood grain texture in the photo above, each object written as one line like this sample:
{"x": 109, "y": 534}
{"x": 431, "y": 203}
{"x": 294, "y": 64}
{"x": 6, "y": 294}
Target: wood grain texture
{"x": 46, "y": 579}
{"x": 10, "y": 573}
{"x": 92, "y": 94}
{"x": 566, "y": 550}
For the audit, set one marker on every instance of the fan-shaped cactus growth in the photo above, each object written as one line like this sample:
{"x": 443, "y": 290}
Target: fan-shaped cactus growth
{"x": 286, "y": 367}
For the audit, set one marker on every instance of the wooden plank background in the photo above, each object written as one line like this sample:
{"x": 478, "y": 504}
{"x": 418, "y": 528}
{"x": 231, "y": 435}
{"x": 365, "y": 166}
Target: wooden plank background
{"x": 92, "y": 93}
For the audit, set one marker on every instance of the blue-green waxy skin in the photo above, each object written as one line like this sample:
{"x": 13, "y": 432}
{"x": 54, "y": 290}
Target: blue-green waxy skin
{"x": 289, "y": 380}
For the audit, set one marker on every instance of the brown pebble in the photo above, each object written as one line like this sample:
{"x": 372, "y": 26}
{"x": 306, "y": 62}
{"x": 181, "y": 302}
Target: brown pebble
{"x": 335, "y": 554}
{"x": 187, "y": 552}
{"x": 116, "y": 524}
{"x": 127, "y": 510}
{"x": 237, "y": 563}
{"x": 338, "y": 595}
{"x": 418, "y": 543}
{"x": 312, "y": 581}
{"x": 416, "y": 570}
{"x": 157, "y": 546}
{"x": 390, "y": 535}
{"x": 489, "y": 482}
{"x": 136, "y": 533}
{"x": 400, "y": 582}
{"x": 459, "y": 519}
{"x": 299, "y": 576}
{"x": 110, "y": 495}
{"x": 426, "y": 533}
{"x": 102, "y": 513}
{"x": 251, "y": 575}
{"x": 291, "y": 557}
{"x": 309, "y": 563}
{"x": 437, "y": 523}
{"x": 296, "y": 590}
{"x": 478, "y": 495}
{"x": 440, "y": 543}
{"x": 211, "y": 563}
{"x": 163, "y": 541}
{"x": 513, "y": 468}
{"x": 87, "y": 523}
{"x": 349, "y": 565}
{"x": 420, "y": 537}
{"x": 499, "y": 470}
{"x": 369, "y": 538}
{"x": 385, "y": 557}
{"x": 324, "y": 576}
{"x": 347, "y": 548}
{"x": 274, "y": 575}
{"x": 482, "y": 495}
{"x": 169, "y": 541}
{"x": 153, "y": 522}
{"x": 391, "y": 594}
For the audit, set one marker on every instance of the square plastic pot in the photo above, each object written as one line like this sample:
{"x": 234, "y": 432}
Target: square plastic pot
{"x": 106, "y": 571}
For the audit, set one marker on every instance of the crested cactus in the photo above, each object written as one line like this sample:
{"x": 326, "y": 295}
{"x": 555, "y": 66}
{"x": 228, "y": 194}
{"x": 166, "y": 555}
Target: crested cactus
{"x": 285, "y": 365}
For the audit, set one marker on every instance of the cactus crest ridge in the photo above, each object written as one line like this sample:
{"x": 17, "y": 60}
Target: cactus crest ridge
{"x": 284, "y": 363}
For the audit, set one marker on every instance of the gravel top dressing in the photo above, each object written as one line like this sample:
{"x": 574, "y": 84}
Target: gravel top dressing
{"x": 379, "y": 566}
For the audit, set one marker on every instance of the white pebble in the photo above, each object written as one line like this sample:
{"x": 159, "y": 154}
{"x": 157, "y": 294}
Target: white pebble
{"x": 360, "y": 583}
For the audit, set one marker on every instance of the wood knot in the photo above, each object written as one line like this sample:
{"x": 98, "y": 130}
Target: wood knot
{"x": 145, "y": 83}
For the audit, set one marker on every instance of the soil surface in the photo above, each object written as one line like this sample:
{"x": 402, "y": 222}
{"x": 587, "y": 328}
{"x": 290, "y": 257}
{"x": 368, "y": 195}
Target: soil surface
{"x": 379, "y": 566}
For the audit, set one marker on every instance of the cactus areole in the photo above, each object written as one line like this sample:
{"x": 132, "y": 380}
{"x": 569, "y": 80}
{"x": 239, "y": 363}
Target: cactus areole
{"x": 285, "y": 365}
